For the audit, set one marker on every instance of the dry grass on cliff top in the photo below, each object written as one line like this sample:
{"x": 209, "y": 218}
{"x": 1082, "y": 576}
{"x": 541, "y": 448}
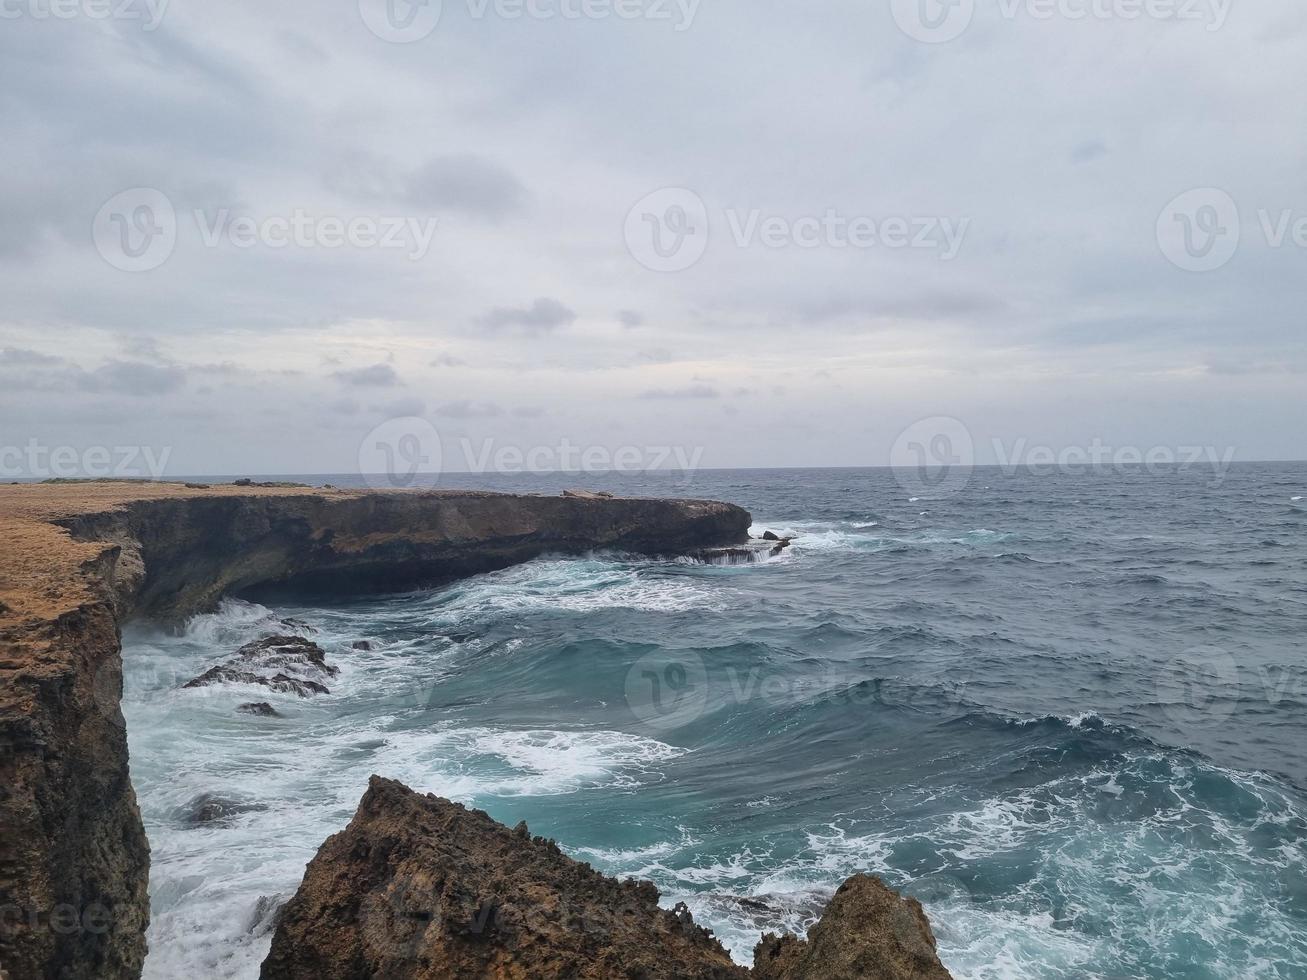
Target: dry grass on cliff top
{"x": 40, "y": 563}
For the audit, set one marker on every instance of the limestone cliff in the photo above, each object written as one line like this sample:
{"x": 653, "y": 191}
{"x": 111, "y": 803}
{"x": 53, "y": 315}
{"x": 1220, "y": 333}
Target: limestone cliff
{"x": 78, "y": 559}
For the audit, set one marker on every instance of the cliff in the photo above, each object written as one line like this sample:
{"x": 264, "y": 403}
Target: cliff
{"x": 419, "y": 888}
{"x": 79, "y": 559}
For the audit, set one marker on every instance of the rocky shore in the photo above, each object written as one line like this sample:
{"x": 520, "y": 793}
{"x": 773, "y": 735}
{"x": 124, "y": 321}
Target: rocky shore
{"x": 419, "y": 888}
{"x": 80, "y": 559}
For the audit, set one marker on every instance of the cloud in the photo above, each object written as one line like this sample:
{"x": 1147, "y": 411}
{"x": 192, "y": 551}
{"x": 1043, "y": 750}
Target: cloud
{"x": 20, "y": 357}
{"x": 135, "y": 378}
{"x": 467, "y": 184}
{"x": 401, "y": 408}
{"x": 448, "y": 360}
{"x": 529, "y": 412}
{"x": 465, "y": 409}
{"x": 543, "y": 314}
{"x": 1088, "y": 150}
{"x": 630, "y": 318}
{"x": 376, "y": 376}
{"x": 693, "y": 391}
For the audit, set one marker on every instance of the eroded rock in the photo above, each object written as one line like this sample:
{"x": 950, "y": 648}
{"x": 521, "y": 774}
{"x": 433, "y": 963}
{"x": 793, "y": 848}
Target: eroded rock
{"x": 286, "y": 664}
{"x": 419, "y": 888}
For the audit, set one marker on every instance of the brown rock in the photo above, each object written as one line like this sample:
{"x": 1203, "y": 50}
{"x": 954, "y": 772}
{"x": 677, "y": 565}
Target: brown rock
{"x": 418, "y": 888}
{"x": 868, "y": 932}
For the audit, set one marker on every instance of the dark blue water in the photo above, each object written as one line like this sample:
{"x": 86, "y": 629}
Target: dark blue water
{"x": 1067, "y": 712}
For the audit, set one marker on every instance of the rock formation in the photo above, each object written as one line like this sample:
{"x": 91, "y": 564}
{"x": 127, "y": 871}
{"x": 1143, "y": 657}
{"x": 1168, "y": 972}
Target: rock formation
{"x": 419, "y": 888}
{"x": 286, "y": 664}
{"x": 79, "y": 558}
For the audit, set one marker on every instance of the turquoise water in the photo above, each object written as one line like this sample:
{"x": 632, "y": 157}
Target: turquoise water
{"x": 1065, "y": 712}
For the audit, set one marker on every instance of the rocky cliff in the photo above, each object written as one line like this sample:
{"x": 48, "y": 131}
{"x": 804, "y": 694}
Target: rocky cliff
{"x": 79, "y": 559}
{"x": 419, "y": 888}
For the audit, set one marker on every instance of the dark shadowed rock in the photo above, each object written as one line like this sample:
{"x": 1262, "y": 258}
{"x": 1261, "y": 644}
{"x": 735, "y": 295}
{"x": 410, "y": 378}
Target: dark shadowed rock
{"x": 260, "y": 708}
{"x": 867, "y": 931}
{"x": 286, "y": 664}
{"x": 210, "y": 808}
{"x": 364, "y": 645}
{"x": 770, "y": 536}
{"x": 418, "y": 888}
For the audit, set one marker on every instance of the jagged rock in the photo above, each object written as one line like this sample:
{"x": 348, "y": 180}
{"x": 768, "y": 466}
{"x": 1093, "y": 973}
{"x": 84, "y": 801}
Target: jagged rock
{"x": 254, "y": 661}
{"x": 260, "y": 708}
{"x": 867, "y": 931}
{"x": 265, "y": 915}
{"x": 208, "y": 808}
{"x": 361, "y": 645}
{"x": 770, "y": 536}
{"x": 419, "y": 888}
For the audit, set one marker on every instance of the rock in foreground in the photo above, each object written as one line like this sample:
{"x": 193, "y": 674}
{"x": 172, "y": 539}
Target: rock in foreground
{"x": 867, "y": 930}
{"x": 419, "y": 888}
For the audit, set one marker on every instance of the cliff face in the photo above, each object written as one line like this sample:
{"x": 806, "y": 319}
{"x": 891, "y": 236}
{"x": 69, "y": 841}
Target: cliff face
{"x": 419, "y": 888}
{"x": 79, "y": 559}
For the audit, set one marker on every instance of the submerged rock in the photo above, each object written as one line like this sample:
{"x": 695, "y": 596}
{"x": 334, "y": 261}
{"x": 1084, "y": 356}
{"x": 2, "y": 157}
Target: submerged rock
{"x": 210, "y": 808}
{"x": 364, "y": 645}
{"x": 260, "y": 708}
{"x": 300, "y": 667}
{"x": 419, "y": 888}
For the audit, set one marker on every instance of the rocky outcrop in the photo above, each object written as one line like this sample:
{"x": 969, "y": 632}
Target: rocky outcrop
{"x": 286, "y": 664}
{"x": 81, "y": 558}
{"x": 868, "y": 932}
{"x": 419, "y": 888}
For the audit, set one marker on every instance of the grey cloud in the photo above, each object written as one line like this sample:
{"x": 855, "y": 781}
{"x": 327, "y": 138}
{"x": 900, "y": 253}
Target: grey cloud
{"x": 448, "y": 360}
{"x": 630, "y": 318}
{"x": 692, "y": 391}
{"x": 543, "y": 314}
{"x": 465, "y": 409}
{"x": 529, "y": 412}
{"x": 135, "y": 378}
{"x": 20, "y": 357}
{"x": 376, "y": 376}
{"x": 343, "y": 406}
{"x": 465, "y": 183}
{"x": 401, "y": 407}
{"x": 1088, "y": 150}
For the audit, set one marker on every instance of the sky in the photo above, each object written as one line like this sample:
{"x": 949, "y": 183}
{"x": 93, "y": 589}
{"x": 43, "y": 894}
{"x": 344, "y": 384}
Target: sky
{"x": 310, "y": 237}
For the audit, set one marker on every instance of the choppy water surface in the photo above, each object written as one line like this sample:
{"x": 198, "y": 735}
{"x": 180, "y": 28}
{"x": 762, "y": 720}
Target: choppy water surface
{"x": 1068, "y": 713}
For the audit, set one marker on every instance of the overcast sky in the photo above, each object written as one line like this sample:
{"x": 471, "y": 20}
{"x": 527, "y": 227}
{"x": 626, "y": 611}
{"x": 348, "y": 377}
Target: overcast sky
{"x": 779, "y": 233}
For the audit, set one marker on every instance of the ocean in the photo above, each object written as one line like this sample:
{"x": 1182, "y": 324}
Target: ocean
{"x": 1067, "y": 712}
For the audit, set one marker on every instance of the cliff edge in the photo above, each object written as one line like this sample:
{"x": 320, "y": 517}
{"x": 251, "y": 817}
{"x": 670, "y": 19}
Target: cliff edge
{"x": 81, "y": 558}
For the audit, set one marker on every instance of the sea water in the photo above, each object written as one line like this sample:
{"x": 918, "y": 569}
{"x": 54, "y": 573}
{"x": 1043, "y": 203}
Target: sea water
{"x": 1068, "y": 713}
